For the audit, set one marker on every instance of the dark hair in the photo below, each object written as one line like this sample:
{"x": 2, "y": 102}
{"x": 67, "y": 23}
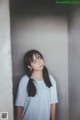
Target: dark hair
{"x": 28, "y": 58}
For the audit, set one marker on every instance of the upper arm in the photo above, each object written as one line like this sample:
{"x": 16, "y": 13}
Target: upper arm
{"x": 53, "y": 91}
{"x": 21, "y": 93}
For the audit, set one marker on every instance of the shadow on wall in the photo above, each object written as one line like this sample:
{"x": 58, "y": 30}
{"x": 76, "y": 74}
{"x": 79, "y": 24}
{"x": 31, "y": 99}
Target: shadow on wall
{"x": 38, "y": 7}
{"x": 74, "y": 63}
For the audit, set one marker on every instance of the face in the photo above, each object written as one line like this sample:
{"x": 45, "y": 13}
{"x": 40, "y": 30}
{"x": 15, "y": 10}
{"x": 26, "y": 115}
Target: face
{"x": 37, "y": 64}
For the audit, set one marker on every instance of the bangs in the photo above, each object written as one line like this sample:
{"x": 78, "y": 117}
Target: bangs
{"x": 37, "y": 55}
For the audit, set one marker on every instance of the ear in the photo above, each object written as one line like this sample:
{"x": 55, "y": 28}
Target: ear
{"x": 29, "y": 66}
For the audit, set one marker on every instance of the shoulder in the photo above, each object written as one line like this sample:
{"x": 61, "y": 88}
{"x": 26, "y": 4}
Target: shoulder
{"x": 24, "y": 79}
{"x": 52, "y": 79}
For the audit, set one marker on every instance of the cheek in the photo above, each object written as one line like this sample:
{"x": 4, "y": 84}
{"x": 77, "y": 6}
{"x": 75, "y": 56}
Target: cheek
{"x": 34, "y": 66}
{"x": 42, "y": 62}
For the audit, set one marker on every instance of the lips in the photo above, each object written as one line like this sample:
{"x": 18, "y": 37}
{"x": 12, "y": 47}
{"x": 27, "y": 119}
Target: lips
{"x": 41, "y": 65}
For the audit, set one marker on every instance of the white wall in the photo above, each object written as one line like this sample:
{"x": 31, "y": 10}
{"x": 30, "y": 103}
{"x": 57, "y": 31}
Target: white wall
{"x": 74, "y": 64}
{"x": 6, "y": 95}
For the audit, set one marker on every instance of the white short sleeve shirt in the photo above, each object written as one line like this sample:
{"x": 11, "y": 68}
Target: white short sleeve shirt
{"x": 37, "y": 107}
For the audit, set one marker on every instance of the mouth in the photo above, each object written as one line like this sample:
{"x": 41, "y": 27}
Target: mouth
{"x": 41, "y": 66}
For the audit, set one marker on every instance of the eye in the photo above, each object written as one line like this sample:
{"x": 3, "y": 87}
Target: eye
{"x": 39, "y": 57}
{"x": 34, "y": 61}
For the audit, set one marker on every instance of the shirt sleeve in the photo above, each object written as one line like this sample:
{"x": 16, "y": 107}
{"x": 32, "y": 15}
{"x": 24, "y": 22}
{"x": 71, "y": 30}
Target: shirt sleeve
{"x": 21, "y": 93}
{"x": 53, "y": 91}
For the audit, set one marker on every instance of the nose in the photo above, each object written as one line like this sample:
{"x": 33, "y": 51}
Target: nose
{"x": 39, "y": 61}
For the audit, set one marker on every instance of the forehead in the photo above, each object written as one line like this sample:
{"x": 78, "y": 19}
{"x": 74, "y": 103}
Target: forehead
{"x": 35, "y": 56}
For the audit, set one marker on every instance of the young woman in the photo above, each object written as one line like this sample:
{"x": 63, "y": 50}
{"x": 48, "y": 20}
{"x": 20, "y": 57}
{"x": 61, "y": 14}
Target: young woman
{"x": 37, "y": 94}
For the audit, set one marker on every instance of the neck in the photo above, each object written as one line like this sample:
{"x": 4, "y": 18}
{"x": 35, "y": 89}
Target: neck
{"x": 37, "y": 75}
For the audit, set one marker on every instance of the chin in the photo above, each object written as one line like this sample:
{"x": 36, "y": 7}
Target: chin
{"x": 41, "y": 68}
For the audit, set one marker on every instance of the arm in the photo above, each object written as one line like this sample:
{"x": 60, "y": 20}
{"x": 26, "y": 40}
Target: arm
{"x": 20, "y": 98}
{"x": 19, "y": 113}
{"x": 53, "y": 111}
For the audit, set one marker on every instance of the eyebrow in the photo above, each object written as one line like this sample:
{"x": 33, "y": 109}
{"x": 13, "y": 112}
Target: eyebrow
{"x": 34, "y": 59}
